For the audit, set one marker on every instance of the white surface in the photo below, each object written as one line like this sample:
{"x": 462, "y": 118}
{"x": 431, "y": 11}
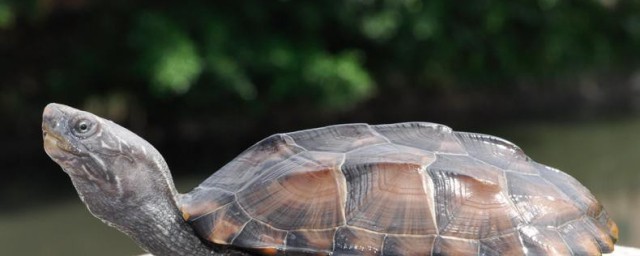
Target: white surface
{"x": 624, "y": 251}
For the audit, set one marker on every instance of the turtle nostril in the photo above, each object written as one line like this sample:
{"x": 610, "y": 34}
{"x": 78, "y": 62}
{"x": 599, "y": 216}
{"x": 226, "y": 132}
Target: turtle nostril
{"x": 44, "y": 130}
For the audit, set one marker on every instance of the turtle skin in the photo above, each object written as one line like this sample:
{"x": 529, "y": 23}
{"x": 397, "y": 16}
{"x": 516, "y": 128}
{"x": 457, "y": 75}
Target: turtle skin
{"x": 398, "y": 189}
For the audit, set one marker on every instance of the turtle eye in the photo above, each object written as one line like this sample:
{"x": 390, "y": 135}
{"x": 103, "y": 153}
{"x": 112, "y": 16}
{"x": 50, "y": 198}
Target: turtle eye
{"x": 83, "y": 127}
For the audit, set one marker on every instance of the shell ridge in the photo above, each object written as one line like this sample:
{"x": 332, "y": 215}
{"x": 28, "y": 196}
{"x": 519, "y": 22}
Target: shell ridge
{"x": 293, "y": 142}
{"x": 411, "y": 124}
{"x": 284, "y": 136}
{"x": 342, "y": 185}
{"x": 428, "y": 187}
{"x": 370, "y": 146}
{"x": 371, "y": 128}
{"x": 455, "y": 137}
{"x": 422, "y": 135}
{"x": 335, "y": 126}
{"x": 334, "y": 138}
{"x": 494, "y": 141}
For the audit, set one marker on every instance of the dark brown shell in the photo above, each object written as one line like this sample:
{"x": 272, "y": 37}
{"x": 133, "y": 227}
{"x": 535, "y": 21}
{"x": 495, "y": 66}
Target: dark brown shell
{"x": 399, "y": 189}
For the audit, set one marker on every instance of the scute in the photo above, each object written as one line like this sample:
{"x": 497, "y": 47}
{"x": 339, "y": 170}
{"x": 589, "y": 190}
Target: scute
{"x": 470, "y": 209}
{"x": 584, "y": 237}
{"x": 351, "y": 241}
{"x": 454, "y": 246}
{"x": 408, "y": 245}
{"x": 551, "y": 208}
{"x": 314, "y": 242}
{"x": 398, "y": 189}
{"x": 543, "y": 241}
{"x": 257, "y": 235}
{"x": 569, "y": 186}
{"x": 223, "y": 225}
{"x": 197, "y": 204}
{"x": 302, "y": 192}
{"x": 508, "y": 244}
{"x": 386, "y": 195}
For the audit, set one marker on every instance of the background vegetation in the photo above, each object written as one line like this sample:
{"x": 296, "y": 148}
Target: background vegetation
{"x": 202, "y": 80}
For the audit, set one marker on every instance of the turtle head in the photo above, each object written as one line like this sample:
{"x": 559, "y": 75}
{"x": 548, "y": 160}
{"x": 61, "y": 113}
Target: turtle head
{"x": 112, "y": 168}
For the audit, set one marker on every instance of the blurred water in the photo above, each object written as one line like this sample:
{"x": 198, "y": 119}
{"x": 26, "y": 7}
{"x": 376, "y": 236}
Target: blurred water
{"x": 66, "y": 228}
{"x": 603, "y": 155}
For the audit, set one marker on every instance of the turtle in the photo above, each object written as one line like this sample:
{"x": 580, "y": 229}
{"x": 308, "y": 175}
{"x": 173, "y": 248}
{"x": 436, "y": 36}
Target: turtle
{"x": 413, "y": 188}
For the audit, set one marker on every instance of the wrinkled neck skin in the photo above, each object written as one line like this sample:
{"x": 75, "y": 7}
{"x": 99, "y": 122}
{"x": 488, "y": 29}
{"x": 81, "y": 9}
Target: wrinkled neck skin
{"x": 147, "y": 213}
{"x": 144, "y": 207}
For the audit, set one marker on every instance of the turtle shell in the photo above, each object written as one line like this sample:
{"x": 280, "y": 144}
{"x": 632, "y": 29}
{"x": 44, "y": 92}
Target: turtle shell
{"x": 398, "y": 189}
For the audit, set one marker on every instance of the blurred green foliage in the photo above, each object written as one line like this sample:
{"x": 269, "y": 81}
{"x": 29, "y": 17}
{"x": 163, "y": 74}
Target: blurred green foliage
{"x": 6, "y": 15}
{"x": 168, "y": 57}
{"x": 331, "y": 54}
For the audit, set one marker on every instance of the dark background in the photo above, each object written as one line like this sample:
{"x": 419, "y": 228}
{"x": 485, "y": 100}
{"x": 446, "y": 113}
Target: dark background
{"x": 202, "y": 81}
